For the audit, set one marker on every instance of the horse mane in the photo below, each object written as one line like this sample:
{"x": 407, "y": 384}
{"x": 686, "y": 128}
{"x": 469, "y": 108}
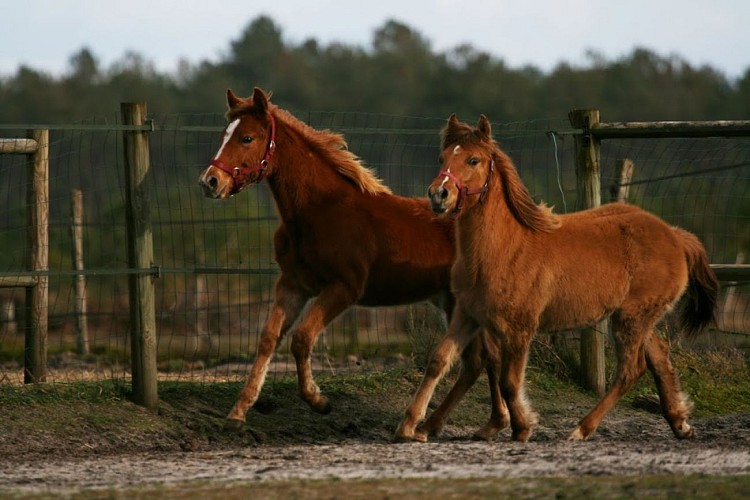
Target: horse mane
{"x": 537, "y": 217}
{"x": 330, "y": 144}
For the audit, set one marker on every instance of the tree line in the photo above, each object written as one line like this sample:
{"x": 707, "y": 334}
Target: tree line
{"x": 397, "y": 74}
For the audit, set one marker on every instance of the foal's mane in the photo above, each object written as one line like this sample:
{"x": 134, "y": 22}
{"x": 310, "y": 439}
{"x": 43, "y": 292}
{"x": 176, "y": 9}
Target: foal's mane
{"x": 537, "y": 217}
{"x": 331, "y": 145}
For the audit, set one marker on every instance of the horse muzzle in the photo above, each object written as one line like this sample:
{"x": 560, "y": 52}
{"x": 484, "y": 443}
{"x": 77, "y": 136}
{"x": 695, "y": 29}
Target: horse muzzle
{"x": 438, "y": 197}
{"x": 215, "y": 184}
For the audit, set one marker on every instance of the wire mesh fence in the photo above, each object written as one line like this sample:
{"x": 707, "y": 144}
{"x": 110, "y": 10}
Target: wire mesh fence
{"x": 702, "y": 185}
{"x": 215, "y": 259}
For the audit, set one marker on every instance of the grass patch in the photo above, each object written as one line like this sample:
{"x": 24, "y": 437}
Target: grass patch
{"x": 717, "y": 382}
{"x": 367, "y": 406}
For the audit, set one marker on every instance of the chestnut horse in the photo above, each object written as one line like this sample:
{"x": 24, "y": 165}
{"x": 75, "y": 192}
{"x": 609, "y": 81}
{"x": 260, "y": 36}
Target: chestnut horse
{"x": 520, "y": 269}
{"x": 343, "y": 239}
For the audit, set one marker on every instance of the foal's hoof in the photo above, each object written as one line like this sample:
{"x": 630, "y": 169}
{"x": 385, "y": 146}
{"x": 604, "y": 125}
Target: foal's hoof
{"x": 405, "y": 435}
{"x": 420, "y": 436}
{"x": 577, "y": 435}
{"x": 684, "y": 431}
{"x": 417, "y": 437}
{"x": 486, "y": 433}
{"x": 233, "y": 425}
{"x": 429, "y": 428}
{"x": 491, "y": 429}
{"x": 521, "y": 436}
{"x": 322, "y": 406}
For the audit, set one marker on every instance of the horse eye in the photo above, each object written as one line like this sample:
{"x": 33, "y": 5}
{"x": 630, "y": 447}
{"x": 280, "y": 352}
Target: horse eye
{"x": 247, "y": 139}
{"x": 473, "y": 161}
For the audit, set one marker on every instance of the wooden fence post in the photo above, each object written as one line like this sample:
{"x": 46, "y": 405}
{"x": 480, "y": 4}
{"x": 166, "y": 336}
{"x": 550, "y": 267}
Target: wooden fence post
{"x": 620, "y": 190}
{"x": 588, "y": 174}
{"x": 140, "y": 258}
{"x": 8, "y": 325}
{"x": 37, "y": 234}
{"x": 79, "y": 281}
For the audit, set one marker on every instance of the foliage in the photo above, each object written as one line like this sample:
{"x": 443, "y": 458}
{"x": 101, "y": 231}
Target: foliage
{"x": 398, "y": 73}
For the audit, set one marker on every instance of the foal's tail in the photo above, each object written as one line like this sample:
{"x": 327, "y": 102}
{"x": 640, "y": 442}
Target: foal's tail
{"x": 703, "y": 287}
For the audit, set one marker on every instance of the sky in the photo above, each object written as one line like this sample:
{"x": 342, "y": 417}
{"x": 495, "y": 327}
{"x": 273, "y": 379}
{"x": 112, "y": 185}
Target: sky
{"x": 44, "y": 34}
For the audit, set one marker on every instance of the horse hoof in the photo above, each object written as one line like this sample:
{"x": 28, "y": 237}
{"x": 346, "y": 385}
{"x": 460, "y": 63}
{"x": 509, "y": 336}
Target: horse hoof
{"x": 322, "y": 406}
{"x": 429, "y": 429}
{"x": 233, "y": 425}
{"x": 485, "y": 434}
{"x": 684, "y": 431}
{"x": 576, "y": 435}
{"x": 417, "y": 437}
{"x": 420, "y": 436}
{"x": 521, "y": 436}
{"x": 409, "y": 434}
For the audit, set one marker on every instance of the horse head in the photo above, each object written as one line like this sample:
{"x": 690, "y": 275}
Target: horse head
{"x": 468, "y": 162}
{"x": 247, "y": 145}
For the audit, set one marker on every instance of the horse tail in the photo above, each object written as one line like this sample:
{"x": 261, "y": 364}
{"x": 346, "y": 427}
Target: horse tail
{"x": 699, "y": 309}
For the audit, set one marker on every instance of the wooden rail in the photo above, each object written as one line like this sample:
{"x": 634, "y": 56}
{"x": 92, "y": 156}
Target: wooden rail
{"x": 647, "y": 130}
{"x": 17, "y": 281}
{"x": 736, "y": 273}
{"x": 18, "y": 146}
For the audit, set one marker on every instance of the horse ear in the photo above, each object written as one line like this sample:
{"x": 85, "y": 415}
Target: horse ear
{"x": 484, "y": 127}
{"x": 232, "y": 100}
{"x": 260, "y": 99}
{"x": 449, "y": 133}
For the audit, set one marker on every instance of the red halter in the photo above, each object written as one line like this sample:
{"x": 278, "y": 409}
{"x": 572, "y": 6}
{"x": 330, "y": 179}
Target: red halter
{"x": 464, "y": 191}
{"x": 241, "y": 174}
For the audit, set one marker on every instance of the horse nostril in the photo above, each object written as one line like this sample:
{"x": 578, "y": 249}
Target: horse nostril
{"x": 443, "y": 193}
{"x": 212, "y": 182}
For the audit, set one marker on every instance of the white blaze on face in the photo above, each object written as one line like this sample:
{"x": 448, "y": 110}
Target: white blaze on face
{"x": 227, "y": 135}
{"x": 442, "y": 184}
{"x": 455, "y": 152}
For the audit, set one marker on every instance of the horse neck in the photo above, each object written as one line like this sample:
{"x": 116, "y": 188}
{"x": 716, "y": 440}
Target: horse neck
{"x": 300, "y": 176}
{"x": 488, "y": 232}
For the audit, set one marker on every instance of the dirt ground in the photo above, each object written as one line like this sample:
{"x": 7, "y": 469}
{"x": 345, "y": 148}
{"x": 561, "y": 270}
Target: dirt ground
{"x": 283, "y": 440}
{"x": 608, "y": 454}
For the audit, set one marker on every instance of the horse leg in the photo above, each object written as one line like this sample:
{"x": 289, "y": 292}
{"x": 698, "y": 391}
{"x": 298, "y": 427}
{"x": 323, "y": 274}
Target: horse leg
{"x": 675, "y": 405}
{"x": 472, "y": 361}
{"x": 460, "y": 332}
{"x": 331, "y": 302}
{"x": 499, "y": 418}
{"x": 286, "y": 307}
{"x": 514, "y": 355}
{"x": 631, "y": 365}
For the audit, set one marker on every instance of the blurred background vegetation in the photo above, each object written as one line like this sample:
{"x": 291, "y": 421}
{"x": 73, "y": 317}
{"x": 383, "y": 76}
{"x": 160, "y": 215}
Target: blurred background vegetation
{"x": 398, "y": 73}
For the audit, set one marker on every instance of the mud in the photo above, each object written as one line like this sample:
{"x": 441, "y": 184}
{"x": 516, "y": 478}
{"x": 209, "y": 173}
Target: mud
{"x": 629, "y": 443}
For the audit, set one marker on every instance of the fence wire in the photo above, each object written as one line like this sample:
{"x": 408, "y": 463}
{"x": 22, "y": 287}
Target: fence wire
{"x": 215, "y": 258}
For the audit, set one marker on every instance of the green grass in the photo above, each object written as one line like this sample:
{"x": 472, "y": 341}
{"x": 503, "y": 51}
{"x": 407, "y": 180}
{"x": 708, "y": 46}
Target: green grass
{"x": 717, "y": 381}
